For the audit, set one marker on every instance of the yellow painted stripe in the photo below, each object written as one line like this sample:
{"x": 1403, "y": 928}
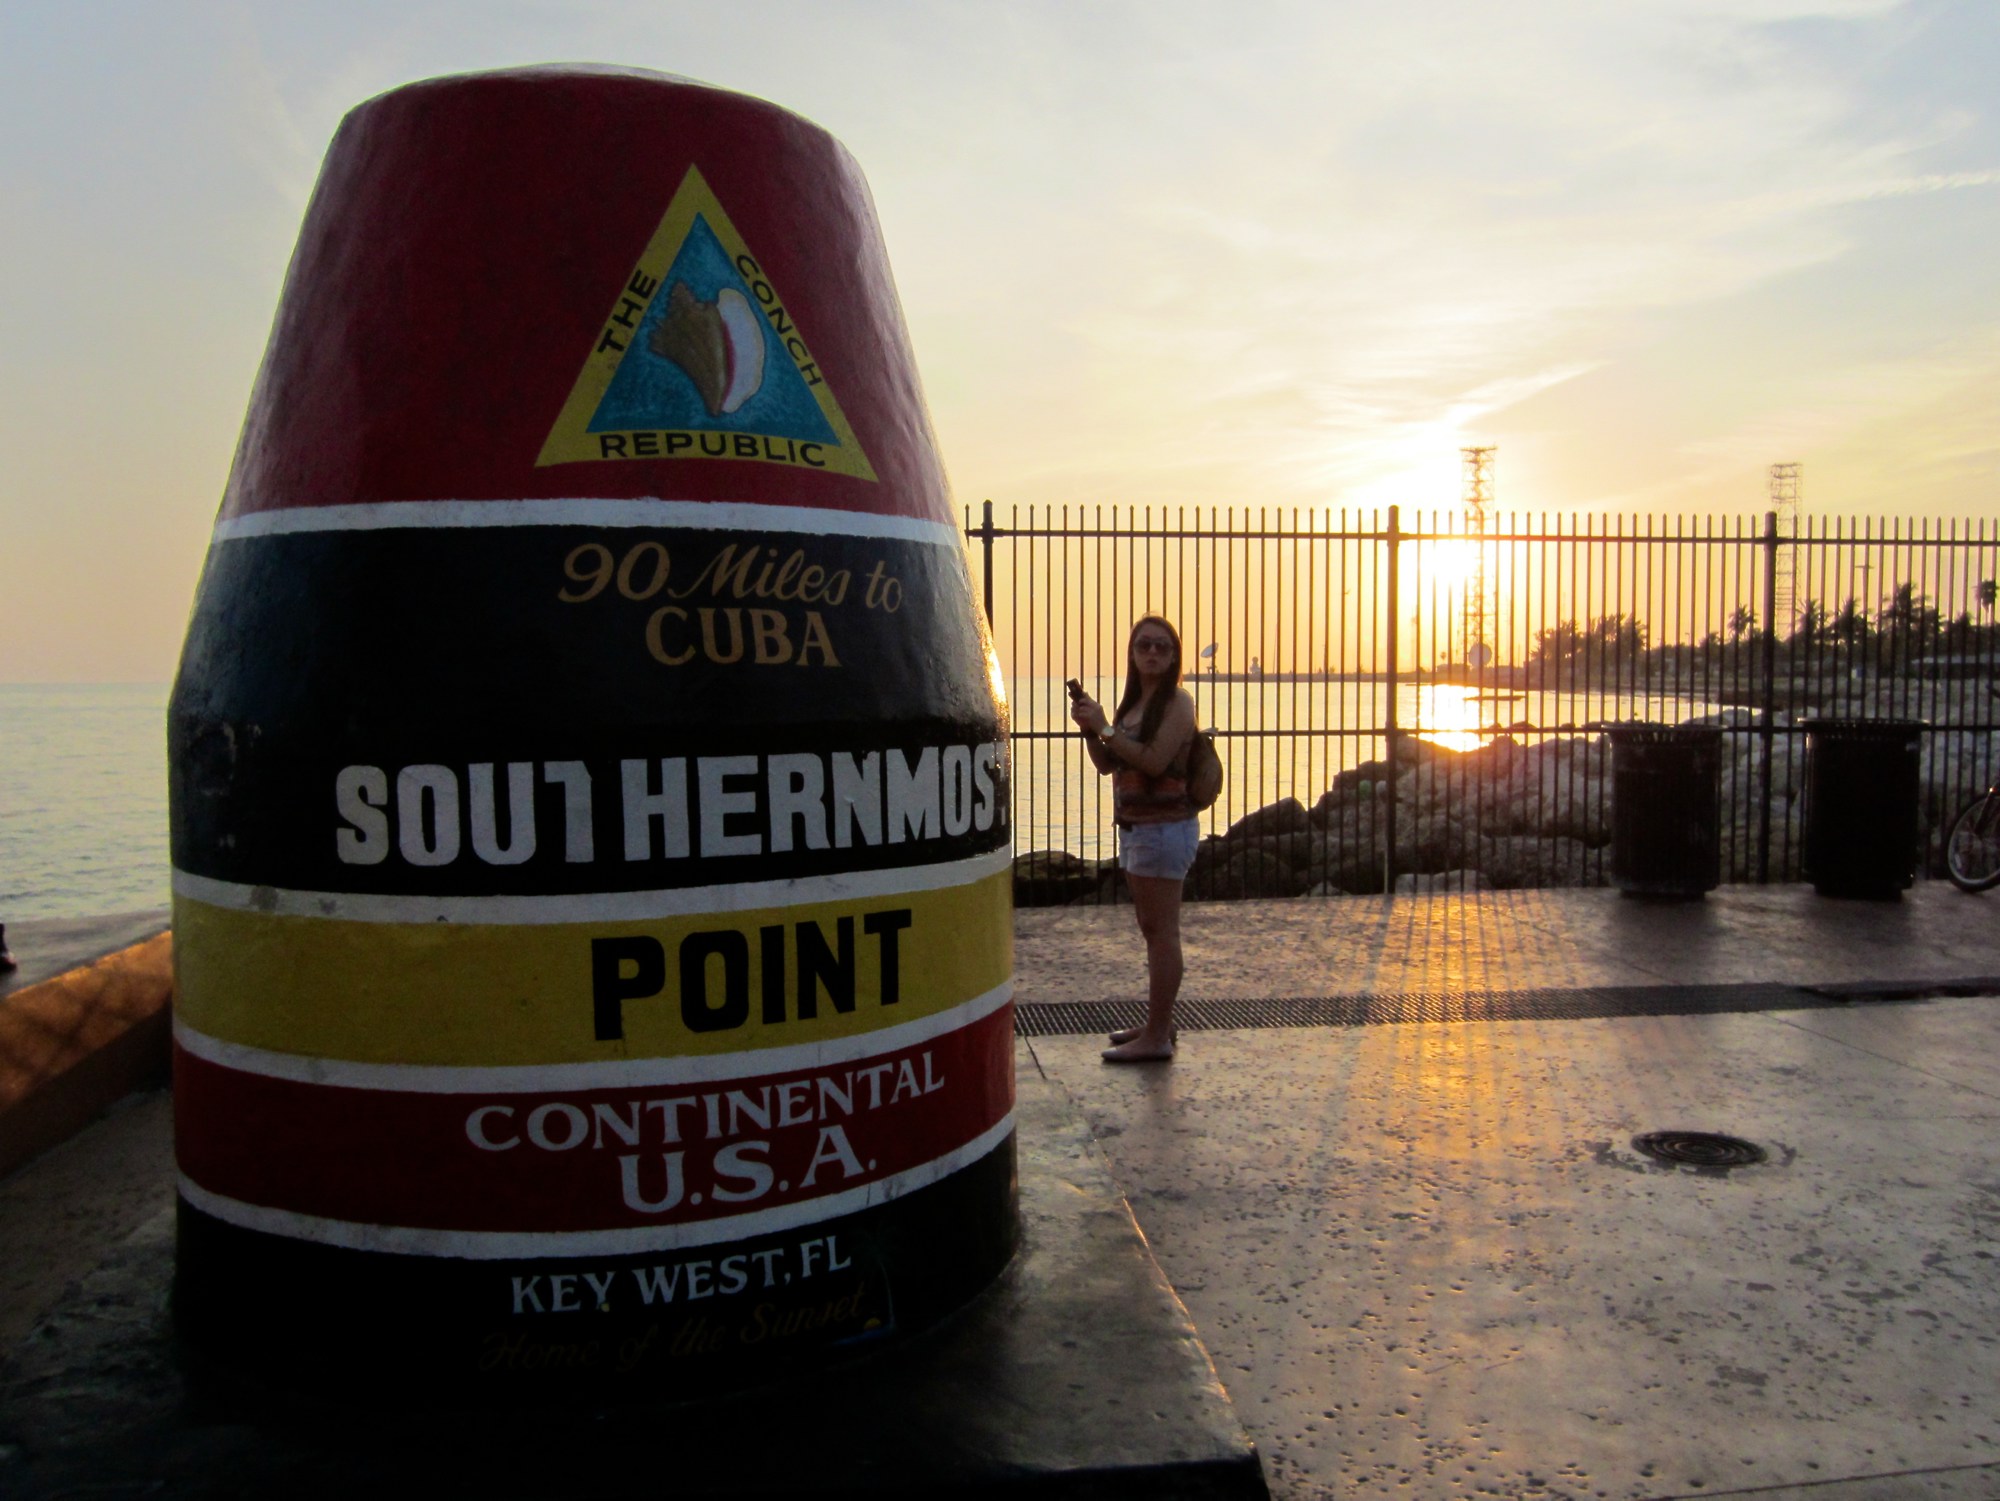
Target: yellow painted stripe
{"x": 492, "y": 995}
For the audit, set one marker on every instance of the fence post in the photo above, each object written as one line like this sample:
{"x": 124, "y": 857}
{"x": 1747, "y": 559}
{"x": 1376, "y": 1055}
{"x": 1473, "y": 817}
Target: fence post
{"x": 985, "y": 535}
{"x": 1395, "y": 684}
{"x": 1769, "y": 729}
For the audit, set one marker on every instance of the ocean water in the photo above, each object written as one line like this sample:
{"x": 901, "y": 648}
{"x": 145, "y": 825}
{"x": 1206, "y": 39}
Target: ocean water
{"x": 83, "y": 798}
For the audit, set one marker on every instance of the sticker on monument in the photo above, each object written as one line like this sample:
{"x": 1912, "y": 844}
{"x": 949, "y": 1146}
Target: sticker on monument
{"x": 700, "y": 358}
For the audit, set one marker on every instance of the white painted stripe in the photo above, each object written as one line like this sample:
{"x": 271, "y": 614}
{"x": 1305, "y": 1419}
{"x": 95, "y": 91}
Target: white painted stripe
{"x": 584, "y": 511}
{"x": 609, "y": 1073}
{"x": 591, "y": 906}
{"x": 501, "y": 1245}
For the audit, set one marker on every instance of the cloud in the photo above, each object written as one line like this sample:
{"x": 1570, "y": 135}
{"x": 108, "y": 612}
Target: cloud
{"x": 1397, "y": 226}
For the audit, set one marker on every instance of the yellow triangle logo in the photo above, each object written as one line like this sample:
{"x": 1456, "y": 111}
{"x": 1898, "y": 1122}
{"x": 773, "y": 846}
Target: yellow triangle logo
{"x": 700, "y": 359}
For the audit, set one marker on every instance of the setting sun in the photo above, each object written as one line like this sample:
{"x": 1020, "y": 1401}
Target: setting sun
{"x": 1447, "y": 565}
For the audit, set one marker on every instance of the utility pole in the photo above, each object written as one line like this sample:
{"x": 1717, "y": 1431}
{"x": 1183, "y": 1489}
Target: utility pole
{"x": 1477, "y": 465}
{"x": 1785, "y": 506}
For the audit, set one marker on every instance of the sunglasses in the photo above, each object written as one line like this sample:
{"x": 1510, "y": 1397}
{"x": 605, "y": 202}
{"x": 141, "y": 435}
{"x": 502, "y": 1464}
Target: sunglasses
{"x": 1152, "y": 643}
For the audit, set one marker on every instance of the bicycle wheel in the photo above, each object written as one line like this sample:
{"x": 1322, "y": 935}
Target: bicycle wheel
{"x": 1972, "y": 850}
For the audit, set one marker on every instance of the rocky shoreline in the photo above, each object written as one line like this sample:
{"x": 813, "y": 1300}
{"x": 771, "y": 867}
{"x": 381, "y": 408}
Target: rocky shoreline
{"x": 1508, "y": 815}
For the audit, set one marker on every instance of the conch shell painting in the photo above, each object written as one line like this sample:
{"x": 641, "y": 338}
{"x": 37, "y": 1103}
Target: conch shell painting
{"x": 719, "y": 344}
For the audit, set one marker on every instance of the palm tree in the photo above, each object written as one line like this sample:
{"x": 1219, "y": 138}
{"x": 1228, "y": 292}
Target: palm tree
{"x": 1742, "y": 621}
{"x": 1618, "y": 635}
{"x": 1908, "y": 624}
{"x": 1616, "y": 643}
{"x": 1849, "y": 627}
{"x": 1908, "y": 613}
{"x": 1811, "y": 626}
{"x": 1556, "y": 646}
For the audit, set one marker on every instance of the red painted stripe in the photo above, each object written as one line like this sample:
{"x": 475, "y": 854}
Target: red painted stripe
{"x": 468, "y": 239}
{"x": 559, "y": 1160}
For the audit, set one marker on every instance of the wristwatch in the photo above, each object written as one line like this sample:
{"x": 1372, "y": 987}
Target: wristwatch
{"x": 1108, "y": 733}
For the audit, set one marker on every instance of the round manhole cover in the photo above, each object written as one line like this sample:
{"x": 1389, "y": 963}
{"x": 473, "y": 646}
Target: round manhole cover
{"x": 1698, "y": 1149}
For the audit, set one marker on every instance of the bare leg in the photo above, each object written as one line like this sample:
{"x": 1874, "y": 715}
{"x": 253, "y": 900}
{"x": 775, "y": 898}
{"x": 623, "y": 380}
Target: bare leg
{"x": 1156, "y": 903}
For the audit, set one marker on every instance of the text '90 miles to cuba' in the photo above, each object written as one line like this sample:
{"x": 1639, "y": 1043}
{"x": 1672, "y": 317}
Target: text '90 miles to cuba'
{"x": 710, "y": 616}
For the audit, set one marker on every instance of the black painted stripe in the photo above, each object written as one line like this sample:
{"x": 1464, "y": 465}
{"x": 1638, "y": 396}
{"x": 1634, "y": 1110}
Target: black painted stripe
{"x": 448, "y": 1328}
{"x": 393, "y": 815}
{"x": 368, "y": 712}
{"x": 454, "y": 626}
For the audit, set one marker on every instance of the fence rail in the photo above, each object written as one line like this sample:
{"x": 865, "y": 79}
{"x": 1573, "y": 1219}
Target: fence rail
{"x": 1431, "y": 694}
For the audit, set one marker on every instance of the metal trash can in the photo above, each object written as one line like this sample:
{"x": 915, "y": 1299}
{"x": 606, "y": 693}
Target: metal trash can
{"x": 1862, "y": 779}
{"x": 1666, "y": 809}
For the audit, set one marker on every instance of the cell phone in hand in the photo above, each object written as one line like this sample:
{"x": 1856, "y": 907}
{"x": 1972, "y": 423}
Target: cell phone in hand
{"x": 1075, "y": 690}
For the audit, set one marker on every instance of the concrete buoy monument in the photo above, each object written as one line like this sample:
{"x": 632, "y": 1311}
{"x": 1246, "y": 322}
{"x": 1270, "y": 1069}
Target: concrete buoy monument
{"x": 588, "y": 776}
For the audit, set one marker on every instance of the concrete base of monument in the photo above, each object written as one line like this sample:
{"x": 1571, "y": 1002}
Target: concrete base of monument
{"x": 1077, "y": 1374}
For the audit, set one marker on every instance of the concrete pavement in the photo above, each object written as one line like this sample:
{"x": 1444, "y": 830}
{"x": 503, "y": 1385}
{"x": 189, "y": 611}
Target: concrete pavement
{"x": 1513, "y": 940}
{"x": 1076, "y": 1375}
{"x": 1425, "y": 1256}
{"x": 1428, "y": 1261}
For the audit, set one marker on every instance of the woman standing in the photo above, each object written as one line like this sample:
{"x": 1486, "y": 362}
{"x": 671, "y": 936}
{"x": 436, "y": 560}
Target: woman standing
{"x": 1144, "y": 746}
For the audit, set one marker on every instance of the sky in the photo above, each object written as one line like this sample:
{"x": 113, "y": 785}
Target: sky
{"x": 1290, "y": 254}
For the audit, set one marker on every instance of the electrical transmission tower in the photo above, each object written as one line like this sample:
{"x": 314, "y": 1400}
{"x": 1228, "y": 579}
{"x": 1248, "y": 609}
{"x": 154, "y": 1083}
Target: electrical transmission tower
{"x": 1785, "y": 504}
{"x": 1477, "y": 465}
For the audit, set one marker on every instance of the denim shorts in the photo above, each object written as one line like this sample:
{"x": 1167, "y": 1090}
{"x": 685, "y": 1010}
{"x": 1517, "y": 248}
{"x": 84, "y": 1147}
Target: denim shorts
{"x": 1159, "y": 849}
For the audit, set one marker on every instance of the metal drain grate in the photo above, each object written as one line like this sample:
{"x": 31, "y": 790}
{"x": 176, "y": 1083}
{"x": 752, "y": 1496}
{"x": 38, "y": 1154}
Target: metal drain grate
{"x": 1053, "y": 1019}
{"x": 1699, "y": 1149}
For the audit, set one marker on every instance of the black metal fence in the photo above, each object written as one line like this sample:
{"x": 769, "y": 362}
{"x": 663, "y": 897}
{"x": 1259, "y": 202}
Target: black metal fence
{"x": 1427, "y": 698}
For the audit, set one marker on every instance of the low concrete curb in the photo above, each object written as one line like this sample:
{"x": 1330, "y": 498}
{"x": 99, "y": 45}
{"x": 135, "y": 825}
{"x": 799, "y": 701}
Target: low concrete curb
{"x": 75, "y": 1043}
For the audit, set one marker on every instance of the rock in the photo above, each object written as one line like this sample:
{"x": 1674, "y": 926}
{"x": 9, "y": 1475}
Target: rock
{"x": 1250, "y": 872}
{"x": 1520, "y": 814}
{"x": 1213, "y": 850}
{"x": 1523, "y": 861}
{"x": 1955, "y": 767}
{"x": 1727, "y": 719}
{"x": 1739, "y": 841}
{"x": 1426, "y": 787}
{"x": 1482, "y": 764}
{"x": 1788, "y": 765}
{"x": 1296, "y": 850}
{"x": 1349, "y": 791}
{"x": 1054, "y": 878}
{"x": 1551, "y": 792}
{"x": 1110, "y": 890}
{"x": 1350, "y": 822}
{"x": 1286, "y": 817}
{"x": 1435, "y": 839}
{"x": 1355, "y": 866}
{"x": 1209, "y": 857}
{"x": 1413, "y": 750}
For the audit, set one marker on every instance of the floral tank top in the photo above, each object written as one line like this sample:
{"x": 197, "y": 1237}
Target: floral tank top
{"x": 1137, "y": 798}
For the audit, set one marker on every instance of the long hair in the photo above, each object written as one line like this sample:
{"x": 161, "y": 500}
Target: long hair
{"x": 1149, "y": 722}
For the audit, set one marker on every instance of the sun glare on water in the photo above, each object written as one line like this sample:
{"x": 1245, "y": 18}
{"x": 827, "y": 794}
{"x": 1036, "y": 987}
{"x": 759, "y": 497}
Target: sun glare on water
{"x": 1449, "y": 715}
